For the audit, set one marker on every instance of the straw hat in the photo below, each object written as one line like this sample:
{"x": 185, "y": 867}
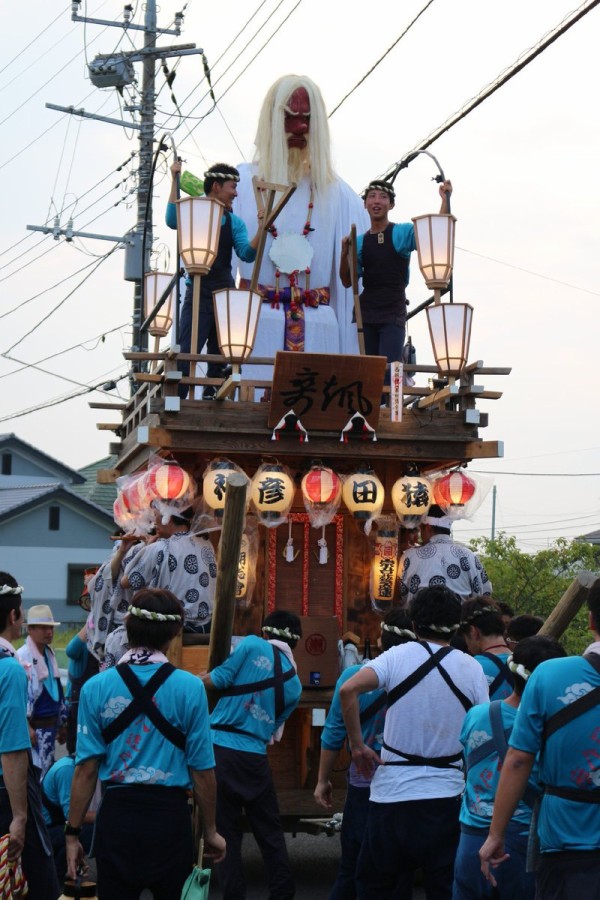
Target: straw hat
{"x": 40, "y": 615}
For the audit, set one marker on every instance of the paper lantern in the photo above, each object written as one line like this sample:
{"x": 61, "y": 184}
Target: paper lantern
{"x": 199, "y": 229}
{"x": 411, "y": 495}
{"x": 272, "y": 493}
{"x": 168, "y": 482}
{"x": 137, "y": 495}
{"x": 236, "y": 318}
{"x": 155, "y": 284}
{"x": 384, "y": 569}
{"x": 121, "y": 514}
{"x": 363, "y": 494}
{"x": 450, "y": 330}
{"x": 453, "y": 490}
{"x": 214, "y": 484}
{"x": 434, "y": 236}
{"x": 321, "y": 486}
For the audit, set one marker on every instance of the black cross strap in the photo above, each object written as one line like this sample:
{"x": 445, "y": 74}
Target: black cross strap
{"x": 438, "y": 762}
{"x": 276, "y": 682}
{"x": 142, "y": 704}
{"x": 373, "y": 708}
{"x": 498, "y": 743}
{"x": 504, "y": 673}
{"x": 562, "y": 718}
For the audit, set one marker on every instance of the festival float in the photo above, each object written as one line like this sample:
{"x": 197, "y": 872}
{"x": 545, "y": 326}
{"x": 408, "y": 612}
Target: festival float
{"x": 307, "y": 483}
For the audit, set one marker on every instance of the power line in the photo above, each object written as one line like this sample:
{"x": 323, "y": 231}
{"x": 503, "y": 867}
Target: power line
{"x": 541, "y": 474}
{"x": 31, "y": 42}
{"x": 530, "y": 272}
{"x": 59, "y": 400}
{"x": 46, "y": 290}
{"x": 381, "y": 58}
{"x": 524, "y": 59}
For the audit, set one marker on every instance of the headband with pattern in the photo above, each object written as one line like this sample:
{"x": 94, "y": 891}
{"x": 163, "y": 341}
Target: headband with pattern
{"x": 518, "y": 668}
{"x": 282, "y": 632}
{"x": 441, "y": 629}
{"x": 140, "y": 613}
{"x": 226, "y": 176}
{"x": 7, "y": 589}
{"x": 401, "y": 632}
{"x": 478, "y": 612}
{"x": 379, "y": 186}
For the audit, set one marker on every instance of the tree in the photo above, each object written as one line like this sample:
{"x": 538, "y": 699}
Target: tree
{"x": 535, "y": 582}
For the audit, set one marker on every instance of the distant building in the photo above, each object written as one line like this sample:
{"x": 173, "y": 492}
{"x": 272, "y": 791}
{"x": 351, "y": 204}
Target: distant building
{"x": 54, "y": 523}
{"x": 592, "y": 537}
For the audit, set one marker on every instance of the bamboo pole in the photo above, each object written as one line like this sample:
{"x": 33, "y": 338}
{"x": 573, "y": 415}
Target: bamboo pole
{"x": 227, "y": 569}
{"x": 585, "y": 585}
{"x": 194, "y": 336}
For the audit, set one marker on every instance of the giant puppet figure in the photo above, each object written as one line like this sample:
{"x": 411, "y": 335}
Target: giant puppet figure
{"x": 305, "y": 305}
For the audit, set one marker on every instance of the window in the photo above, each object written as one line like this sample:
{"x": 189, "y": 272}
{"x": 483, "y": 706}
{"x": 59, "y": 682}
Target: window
{"x": 54, "y": 518}
{"x": 7, "y": 463}
{"x": 75, "y": 582}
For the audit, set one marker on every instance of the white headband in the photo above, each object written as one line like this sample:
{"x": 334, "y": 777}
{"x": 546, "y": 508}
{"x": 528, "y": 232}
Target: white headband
{"x": 442, "y": 629}
{"x": 140, "y": 613}
{"x": 518, "y": 668}
{"x": 401, "y": 632}
{"x": 227, "y": 176}
{"x": 281, "y": 632}
{"x": 442, "y": 522}
{"x": 7, "y": 589}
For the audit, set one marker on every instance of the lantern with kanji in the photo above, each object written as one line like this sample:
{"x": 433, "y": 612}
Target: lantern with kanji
{"x": 363, "y": 494}
{"x": 321, "y": 492}
{"x": 168, "y": 482}
{"x": 384, "y": 566}
{"x": 272, "y": 494}
{"x": 214, "y": 484}
{"x": 411, "y": 496}
{"x": 453, "y": 491}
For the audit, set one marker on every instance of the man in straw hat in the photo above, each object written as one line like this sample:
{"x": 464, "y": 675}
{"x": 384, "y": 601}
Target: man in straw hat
{"x": 415, "y": 795}
{"x": 46, "y": 707}
{"x": 143, "y": 729}
{"x": 20, "y": 803}
{"x": 439, "y": 560}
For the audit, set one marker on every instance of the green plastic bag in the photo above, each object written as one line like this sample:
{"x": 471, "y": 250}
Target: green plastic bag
{"x": 191, "y": 184}
{"x": 197, "y": 885}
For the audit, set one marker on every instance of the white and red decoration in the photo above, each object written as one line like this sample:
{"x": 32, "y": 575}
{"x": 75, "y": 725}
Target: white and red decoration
{"x": 458, "y": 494}
{"x": 168, "y": 482}
{"x": 412, "y": 497}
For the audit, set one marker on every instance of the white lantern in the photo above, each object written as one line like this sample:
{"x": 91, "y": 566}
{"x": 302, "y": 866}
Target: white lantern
{"x": 236, "y": 317}
{"x": 155, "y": 284}
{"x": 384, "y": 568}
{"x": 199, "y": 229}
{"x": 412, "y": 497}
{"x": 214, "y": 484}
{"x": 434, "y": 235}
{"x": 363, "y": 494}
{"x": 450, "y": 330}
{"x": 272, "y": 493}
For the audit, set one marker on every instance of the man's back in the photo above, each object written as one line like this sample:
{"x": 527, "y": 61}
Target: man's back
{"x": 441, "y": 561}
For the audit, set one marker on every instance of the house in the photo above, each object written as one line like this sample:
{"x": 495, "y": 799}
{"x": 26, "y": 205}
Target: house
{"x": 53, "y": 526}
{"x": 592, "y": 537}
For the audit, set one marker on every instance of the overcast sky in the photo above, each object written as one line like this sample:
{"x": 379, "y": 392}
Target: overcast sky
{"x": 524, "y": 166}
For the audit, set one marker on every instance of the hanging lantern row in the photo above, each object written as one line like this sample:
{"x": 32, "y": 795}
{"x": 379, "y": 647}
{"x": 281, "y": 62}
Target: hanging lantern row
{"x": 164, "y": 482}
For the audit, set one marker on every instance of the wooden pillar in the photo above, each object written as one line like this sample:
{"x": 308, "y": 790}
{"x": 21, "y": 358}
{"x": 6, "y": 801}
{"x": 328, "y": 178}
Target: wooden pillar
{"x": 227, "y": 569}
{"x": 194, "y": 335}
{"x": 586, "y": 584}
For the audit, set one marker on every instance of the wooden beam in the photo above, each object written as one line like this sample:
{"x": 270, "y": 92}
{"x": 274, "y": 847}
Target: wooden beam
{"x": 229, "y": 387}
{"x": 109, "y": 426}
{"x": 438, "y": 396}
{"x": 583, "y": 588}
{"x": 118, "y": 406}
{"x": 484, "y": 450}
{"x": 227, "y": 570}
{"x": 148, "y": 378}
{"x": 490, "y": 395}
{"x": 107, "y": 476}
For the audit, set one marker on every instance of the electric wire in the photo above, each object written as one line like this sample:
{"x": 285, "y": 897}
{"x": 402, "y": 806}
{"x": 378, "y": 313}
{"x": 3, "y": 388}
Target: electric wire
{"x": 45, "y": 291}
{"x": 381, "y": 58}
{"x": 31, "y": 42}
{"x": 64, "y": 399}
{"x": 501, "y": 262}
{"x": 541, "y": 474}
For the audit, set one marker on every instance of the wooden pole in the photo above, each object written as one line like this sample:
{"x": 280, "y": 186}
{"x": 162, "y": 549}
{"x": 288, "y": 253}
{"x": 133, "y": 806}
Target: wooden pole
{"x": 354, "y": 277}
{"x": 227, "y": 569}
{"x": 586, "y": 585}
{"x": 194, "y": 336}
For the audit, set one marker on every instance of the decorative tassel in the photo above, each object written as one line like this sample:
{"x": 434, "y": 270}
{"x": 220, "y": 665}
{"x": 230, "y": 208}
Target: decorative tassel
{"x": 323, "y": 551}
{"x": 289, "y": 547}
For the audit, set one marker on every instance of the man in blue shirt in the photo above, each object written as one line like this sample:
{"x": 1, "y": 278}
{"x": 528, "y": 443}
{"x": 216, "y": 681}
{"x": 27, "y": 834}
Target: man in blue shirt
{"x": 20, "y": 804}
{"x": 482, "y": 628}
{"x": 258, "y": 689}
{"x": 383, "y": 263}
{"x": 220, "y": 183}
{"x": 143, "y": 729}
{"x": 557, "y": 719}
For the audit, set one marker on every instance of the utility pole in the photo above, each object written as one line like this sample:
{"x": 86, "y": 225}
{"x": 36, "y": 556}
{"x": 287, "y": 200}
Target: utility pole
{"x": 116, "y": 70}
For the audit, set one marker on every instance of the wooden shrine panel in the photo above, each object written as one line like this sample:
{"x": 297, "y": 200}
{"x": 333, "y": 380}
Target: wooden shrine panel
{"x": 304, "y": 586}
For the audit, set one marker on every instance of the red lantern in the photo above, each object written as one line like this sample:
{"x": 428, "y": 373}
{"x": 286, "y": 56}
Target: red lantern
{"x": 168, "y": 482}
{"x": 137, "y": 495}
{"x": 121, "y": 513}
{"x": 453, "y": 490}
{"x": 321, "y": 486}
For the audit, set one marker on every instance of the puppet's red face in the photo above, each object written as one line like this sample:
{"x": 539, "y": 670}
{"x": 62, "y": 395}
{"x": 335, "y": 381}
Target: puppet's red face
{"x": 297, "y": 118}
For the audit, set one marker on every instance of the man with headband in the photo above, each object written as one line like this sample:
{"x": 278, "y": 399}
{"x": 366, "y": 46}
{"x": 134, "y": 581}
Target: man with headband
{"x": 21, "y": 814}
{"x": 220, "y": 183}
{"x": 383, "y": 262}
{"x": 415, "y": 795}
{"x": 258, "y": 689}
{"x": 439, "y": 560}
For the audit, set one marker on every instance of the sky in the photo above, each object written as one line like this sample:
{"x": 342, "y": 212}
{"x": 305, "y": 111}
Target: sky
{"x": 526, "y": 197}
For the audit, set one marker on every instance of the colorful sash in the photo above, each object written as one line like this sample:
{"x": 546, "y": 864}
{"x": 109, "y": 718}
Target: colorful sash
{"x": 294, "y": 300}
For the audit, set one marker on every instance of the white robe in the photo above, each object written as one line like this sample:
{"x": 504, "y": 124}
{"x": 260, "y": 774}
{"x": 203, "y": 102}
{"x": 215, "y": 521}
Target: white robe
{"x": 328, "y": 329}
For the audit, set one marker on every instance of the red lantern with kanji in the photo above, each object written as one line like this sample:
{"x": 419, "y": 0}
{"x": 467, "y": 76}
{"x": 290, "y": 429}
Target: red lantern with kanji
{"x": 168, "y": 482}
{"x": 453, "y": 491}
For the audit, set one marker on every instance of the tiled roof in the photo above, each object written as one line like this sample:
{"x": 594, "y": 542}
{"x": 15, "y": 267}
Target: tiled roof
{"x": 103, "y": 495}
{"x": 16, "y": 496}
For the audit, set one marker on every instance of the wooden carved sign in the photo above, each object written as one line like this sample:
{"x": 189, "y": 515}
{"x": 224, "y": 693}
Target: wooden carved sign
{"x": 326, "y": 390}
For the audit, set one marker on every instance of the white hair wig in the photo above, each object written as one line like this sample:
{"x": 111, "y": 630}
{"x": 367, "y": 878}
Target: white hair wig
{"x": 272, "y": 153}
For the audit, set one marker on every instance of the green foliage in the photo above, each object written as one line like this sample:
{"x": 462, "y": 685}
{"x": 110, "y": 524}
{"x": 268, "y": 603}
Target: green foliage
{"x": 535, "y": 582}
